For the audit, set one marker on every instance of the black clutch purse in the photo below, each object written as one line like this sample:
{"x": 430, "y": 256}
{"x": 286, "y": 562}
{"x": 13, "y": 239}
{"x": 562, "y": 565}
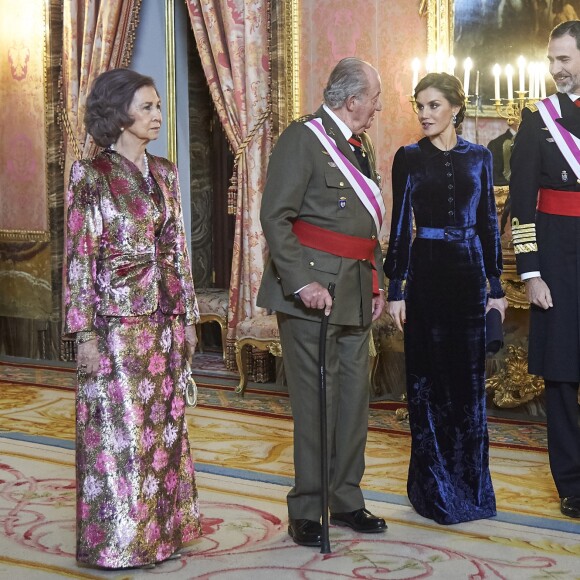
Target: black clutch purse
{"x": 493, "y": 331}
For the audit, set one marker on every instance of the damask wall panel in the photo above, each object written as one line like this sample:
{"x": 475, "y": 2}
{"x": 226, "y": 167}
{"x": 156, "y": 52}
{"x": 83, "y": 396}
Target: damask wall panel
{"x": 29, "y": 142}
{"x": 23, "y": 198}
{"x": 388, "y": 35}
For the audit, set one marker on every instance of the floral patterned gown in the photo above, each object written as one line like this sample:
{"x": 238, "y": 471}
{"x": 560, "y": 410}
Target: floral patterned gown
{"x": 129, "y": 281}
{"x": 445, "y": 293}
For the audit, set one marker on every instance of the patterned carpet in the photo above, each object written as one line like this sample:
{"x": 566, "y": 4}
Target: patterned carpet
{"x": 243, "y": 452}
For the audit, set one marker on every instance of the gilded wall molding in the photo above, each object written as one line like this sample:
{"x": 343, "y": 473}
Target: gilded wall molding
{"x": 440, "y": 17}
{"x": 285, "y": 62}
{"x": 19, "y": 235}
{"x": 170, "y": 105}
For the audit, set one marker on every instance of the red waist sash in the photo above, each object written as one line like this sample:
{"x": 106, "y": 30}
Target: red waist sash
{"x": 338, "y": 244}
{"x": 559, "y": 202}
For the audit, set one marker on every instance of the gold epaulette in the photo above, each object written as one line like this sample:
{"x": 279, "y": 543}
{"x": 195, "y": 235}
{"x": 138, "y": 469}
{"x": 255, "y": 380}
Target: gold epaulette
{"x": 524, "y": 237}
{"x": 532, "y": 106}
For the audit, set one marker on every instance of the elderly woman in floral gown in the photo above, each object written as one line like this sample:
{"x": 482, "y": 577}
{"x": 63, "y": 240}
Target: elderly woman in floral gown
{"x": 130, "y": 302}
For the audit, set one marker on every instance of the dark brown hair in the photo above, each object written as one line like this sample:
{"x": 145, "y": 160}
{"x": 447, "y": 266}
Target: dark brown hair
{"x": 570, "y": 28}
{"x": 449, "y": 86}
{"x": 109, "y": 101}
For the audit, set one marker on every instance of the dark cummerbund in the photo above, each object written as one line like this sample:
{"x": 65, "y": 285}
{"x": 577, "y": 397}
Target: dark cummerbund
{"x": 447, "y": 234}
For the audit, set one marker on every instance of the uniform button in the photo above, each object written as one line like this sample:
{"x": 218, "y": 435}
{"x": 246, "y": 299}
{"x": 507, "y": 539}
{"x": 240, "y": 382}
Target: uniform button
{"x": 450, "y": 212}
{"x": 364, "y": 260}
{"x": 447, "y": 164}
{"x": 446, "y": 153}
{"x": 341, "y": 184}
{"x": 312, "y": 263}
{"x": 449, "y": 174}
{"x": 450, "y": 199}
{"x": 373, "y": 237}
{"x": 450, "y": 186}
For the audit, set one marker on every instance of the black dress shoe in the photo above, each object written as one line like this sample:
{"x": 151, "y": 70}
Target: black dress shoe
{"x": 360, "y": 521}
{"x": 305, "y": 532}
{"x": 570, "y": 506}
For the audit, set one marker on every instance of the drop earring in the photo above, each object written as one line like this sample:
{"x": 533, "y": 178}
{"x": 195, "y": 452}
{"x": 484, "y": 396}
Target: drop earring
{"x": 454, "y": 119}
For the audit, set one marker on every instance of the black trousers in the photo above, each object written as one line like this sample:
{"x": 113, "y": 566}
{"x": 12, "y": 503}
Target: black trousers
{"x": 564, "y": 436}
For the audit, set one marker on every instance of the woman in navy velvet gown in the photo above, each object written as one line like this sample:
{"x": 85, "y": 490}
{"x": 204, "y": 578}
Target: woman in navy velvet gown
{"x": 439, "y": 295}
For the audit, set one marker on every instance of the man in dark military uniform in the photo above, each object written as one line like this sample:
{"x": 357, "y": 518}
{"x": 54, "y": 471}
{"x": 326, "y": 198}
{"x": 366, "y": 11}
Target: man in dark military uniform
{"x": 319, "y": 230}
{"x": 500, "y": 148}
{"x": 546, "y": 170}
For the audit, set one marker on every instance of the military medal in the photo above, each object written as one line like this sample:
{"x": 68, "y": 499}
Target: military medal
{"x": 332, "y": 164}
{"x": 342, "y": 202}
{"x": 564, "y": 176}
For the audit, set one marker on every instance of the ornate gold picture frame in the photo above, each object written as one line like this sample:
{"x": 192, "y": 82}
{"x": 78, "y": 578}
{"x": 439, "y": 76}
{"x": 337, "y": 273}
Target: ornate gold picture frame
{"x": 284, "y": 62}
{"x": 440, "y": 17}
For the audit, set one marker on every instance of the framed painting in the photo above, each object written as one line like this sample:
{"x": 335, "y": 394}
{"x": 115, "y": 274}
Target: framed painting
{"x": 494, "y": 31}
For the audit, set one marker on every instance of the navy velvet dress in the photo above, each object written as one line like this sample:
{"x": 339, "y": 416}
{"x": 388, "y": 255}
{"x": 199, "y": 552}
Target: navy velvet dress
{"x": 446, "y": 295}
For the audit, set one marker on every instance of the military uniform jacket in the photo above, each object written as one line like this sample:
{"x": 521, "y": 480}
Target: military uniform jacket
{"x": 548, "y": 243}
{"x": 303, "y": 183}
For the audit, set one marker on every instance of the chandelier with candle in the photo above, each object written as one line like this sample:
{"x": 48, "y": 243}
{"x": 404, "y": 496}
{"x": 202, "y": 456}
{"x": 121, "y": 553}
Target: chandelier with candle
{"x": 507, "y": 102}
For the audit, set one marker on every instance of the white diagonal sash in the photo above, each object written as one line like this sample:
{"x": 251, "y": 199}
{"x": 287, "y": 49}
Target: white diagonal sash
{"x": 366, "y": 189}
{"x": 568, "y": 144}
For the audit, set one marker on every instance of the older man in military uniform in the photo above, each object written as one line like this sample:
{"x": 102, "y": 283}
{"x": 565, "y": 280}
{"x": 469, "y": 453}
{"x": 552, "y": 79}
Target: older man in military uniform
{"x": 321, "y": 214}
{"x": 545, "y": 167}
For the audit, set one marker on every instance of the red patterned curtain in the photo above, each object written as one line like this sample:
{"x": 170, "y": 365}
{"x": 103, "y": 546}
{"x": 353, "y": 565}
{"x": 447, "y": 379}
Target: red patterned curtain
{"x": 232, "y": 39}
{"x": 98, "y": 35}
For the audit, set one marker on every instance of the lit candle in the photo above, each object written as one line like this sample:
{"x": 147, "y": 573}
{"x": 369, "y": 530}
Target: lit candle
{"x": 416, "y": 65}
{"x": 509, "y": 73}
{"x": 477, "y": 83}
{"x": 542, "y": 81}
{"x": 467, "y": 64}
{"x": 451, "y": 65}
{"x": 531, "y": 80}
{"x": 537, "y": 79}
{"x": 440, "y": 61}
{"x": 496, "y": 72}
{"x": 429, "y": 64}
{"x": 522, "y": 71}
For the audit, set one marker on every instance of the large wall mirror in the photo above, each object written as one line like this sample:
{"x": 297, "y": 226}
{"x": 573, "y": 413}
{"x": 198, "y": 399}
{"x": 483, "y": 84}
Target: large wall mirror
{"x": 495, "y": 31}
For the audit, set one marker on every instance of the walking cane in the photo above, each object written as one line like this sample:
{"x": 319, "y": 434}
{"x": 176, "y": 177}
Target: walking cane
{"x": 324, "y": 539}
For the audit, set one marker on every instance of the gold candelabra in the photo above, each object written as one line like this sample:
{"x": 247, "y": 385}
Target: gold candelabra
{"x": 511, "y": 109}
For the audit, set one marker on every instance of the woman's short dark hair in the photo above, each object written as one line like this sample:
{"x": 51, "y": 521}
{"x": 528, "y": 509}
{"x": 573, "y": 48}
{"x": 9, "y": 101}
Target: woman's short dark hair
{"x": 108, "y": 103}
{"x": 449, "y": 86}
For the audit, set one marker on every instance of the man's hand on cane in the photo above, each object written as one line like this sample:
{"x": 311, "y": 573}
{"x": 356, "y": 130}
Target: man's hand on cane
{"x": 316, "y": 296}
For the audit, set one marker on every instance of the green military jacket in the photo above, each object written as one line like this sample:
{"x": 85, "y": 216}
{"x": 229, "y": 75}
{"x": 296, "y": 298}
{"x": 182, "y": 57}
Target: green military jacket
{"x": 304, "y": 183}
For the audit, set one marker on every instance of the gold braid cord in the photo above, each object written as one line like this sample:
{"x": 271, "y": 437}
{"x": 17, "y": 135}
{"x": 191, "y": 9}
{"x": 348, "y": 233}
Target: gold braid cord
{"x": 70, "y": 133}
{"x": 524, "y": 237}
{"x": 233, "y": 188}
